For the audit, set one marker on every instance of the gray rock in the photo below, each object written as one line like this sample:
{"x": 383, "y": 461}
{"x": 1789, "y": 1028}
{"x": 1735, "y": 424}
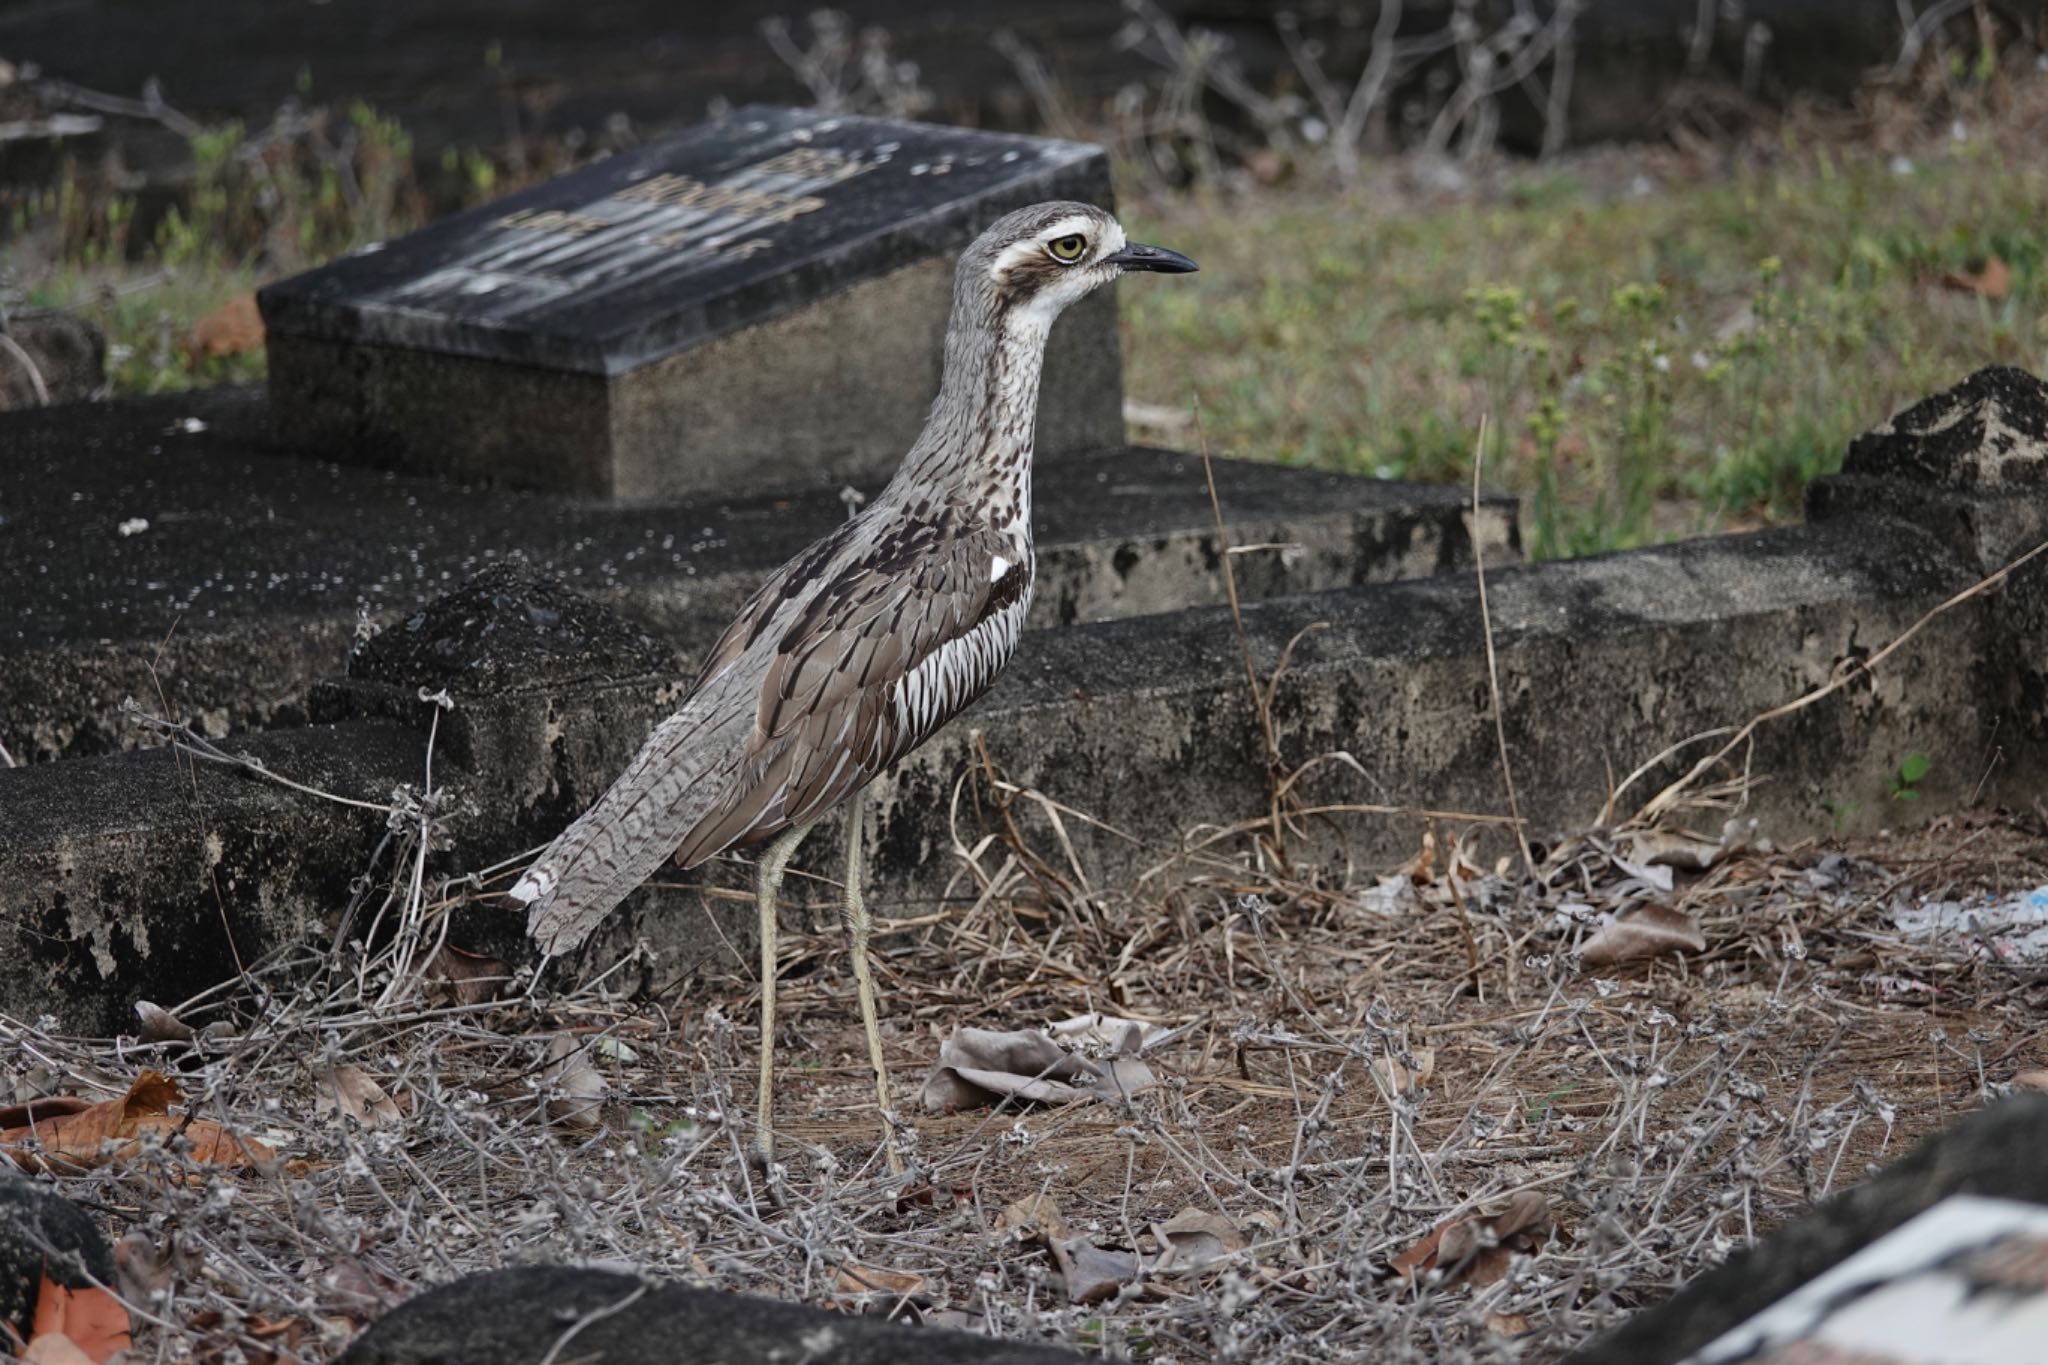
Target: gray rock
{"x": 1951, "y": 463}
{"x": 43, "y": 1236}
{"x": 519, "y": 1317}
{"x": 47, "y": 357}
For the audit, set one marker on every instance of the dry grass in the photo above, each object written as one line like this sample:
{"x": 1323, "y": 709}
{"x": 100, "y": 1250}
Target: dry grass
{"x": 1669, "y": 1112}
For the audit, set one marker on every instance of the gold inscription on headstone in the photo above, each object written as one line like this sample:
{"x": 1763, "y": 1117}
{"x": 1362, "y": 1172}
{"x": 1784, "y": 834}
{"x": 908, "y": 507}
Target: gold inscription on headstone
{"x": 553, "y": 220}
{"x": 688, "y": 192}
{"x": 821, "y": 167}
{"x": 814, "y": 163}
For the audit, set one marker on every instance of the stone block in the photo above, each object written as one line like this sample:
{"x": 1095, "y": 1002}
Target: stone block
{"x": 47, "y": 356}
{"x": 758, "y": 303}
{"x": 1144, "y": 723}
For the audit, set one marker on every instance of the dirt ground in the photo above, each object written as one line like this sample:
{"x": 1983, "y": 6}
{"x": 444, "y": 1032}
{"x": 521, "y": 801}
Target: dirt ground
{"x": 1340, "y": 1070}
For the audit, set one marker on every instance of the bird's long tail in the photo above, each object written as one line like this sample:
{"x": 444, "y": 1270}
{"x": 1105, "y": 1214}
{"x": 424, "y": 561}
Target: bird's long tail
{"x": 680, "y": 774}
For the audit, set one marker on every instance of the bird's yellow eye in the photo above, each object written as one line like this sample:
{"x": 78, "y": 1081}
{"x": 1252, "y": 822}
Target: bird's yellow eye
{"x": 1067, "y": 250}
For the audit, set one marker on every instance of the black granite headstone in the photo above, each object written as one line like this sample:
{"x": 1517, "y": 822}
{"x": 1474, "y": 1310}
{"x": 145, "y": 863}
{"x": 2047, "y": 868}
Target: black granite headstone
{"x": 1769, "y": 1305}
{"x": 757, "y": 303}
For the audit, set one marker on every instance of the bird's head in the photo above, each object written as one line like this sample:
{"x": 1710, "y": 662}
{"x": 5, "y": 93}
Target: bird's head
{"x": 1031, "y": 264}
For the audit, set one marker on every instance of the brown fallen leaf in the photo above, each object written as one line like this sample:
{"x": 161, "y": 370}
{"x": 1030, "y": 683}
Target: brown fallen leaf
{"x": 285, "y": 1336}
{"x": 984, "y": 1066}
{"x": 1641, "y": 932}
{"x": 2033, "y": 1078}
{"x": 459, "y": 977}
{"x": 1399, "y": 1078}
{"x": 145, "y": 1267}
{"x": 358, "y": 1293}
{"x": 113, "y": 1131}
{"x": 1509, "y": 1324}
{"x": 575, "y": 1089}
{"x": 937, "y": 1198}
{"x": 959, "y": 1320}
{"x": 348, "y": 1088}
{"x": 1677, "y": 848}
{"x": 42, "y": 1111}
{"x": 159, "y": 1025}
{"x": 55, "y": 1348}
{"x": 1194, "y": 1240}
{"x": 1093, "y": 1273}
{"x": 1993, "y": 281}
{"x": 1124, "y": 1073}
{"x": 73, "y": 1325}
{"x": 1421, "y": 869}
{"x": 1478, "y": 1248}
{"x": 1037, "y": 1216}
{"x": 233, "y": 328}
{"x": 875, "y": 1292}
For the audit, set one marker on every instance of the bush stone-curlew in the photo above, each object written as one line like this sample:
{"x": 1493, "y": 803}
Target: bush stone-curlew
{"x": 860, "y": 648}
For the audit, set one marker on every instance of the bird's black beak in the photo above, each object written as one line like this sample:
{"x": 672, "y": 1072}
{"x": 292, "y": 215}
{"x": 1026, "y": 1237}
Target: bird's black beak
{"x": 1138, "y": 256}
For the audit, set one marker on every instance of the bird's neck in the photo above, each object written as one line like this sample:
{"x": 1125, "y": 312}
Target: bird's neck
{"x": 975, "y": 451}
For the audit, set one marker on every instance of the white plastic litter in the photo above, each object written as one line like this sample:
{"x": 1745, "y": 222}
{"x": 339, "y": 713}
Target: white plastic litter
{"x": 2006, "y": 929}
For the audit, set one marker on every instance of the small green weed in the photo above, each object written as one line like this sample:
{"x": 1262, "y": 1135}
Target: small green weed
{"x": 1905, "y": 784}
{"x": 655, "y": 1130}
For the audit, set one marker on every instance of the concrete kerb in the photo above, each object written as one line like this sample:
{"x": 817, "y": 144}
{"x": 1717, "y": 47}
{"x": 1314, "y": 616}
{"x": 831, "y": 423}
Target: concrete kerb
{"x": 1144, "y": 723}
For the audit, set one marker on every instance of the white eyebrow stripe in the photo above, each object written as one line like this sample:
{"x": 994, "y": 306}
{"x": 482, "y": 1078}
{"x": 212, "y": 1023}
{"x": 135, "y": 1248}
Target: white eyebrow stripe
{"x": 1066, "y": 227}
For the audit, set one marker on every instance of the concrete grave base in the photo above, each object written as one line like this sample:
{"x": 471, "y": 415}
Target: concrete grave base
{"x": 757, "y": 304}
{"x": 162, "y": 549}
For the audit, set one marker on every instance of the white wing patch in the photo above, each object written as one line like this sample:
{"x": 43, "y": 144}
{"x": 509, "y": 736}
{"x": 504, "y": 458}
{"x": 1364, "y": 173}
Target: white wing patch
{"x": 998, "y": 566}
{"x": 957, "y": 672}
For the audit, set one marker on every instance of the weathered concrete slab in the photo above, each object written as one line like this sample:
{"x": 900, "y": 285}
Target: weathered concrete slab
{"x": 758, "y": 303}
{"x": 160, "y": 549}
{"x": 152, "y": 873}
{"x": 518, "y": 1317}
{"x": 1995, "y": 1152}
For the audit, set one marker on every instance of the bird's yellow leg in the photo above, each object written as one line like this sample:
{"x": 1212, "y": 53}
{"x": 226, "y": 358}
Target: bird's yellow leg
{"x": 767, "y": 883}
{"x": 863, "y": 975}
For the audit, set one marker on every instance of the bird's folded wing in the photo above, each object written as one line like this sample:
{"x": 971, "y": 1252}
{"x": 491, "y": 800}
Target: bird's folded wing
{"x": 872, "y": 665}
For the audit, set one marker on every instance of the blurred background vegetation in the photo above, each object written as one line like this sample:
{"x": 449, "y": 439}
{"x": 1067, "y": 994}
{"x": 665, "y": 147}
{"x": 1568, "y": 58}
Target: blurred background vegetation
{"x": 1408, "y": 219}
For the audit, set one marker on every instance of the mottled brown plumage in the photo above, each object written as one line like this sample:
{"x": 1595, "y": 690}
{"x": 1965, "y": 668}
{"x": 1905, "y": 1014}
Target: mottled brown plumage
{"x": 862, "y": 646}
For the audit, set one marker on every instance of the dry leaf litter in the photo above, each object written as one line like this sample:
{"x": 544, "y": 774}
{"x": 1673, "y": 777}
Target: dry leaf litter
{"x": 1233, "y": 1111}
